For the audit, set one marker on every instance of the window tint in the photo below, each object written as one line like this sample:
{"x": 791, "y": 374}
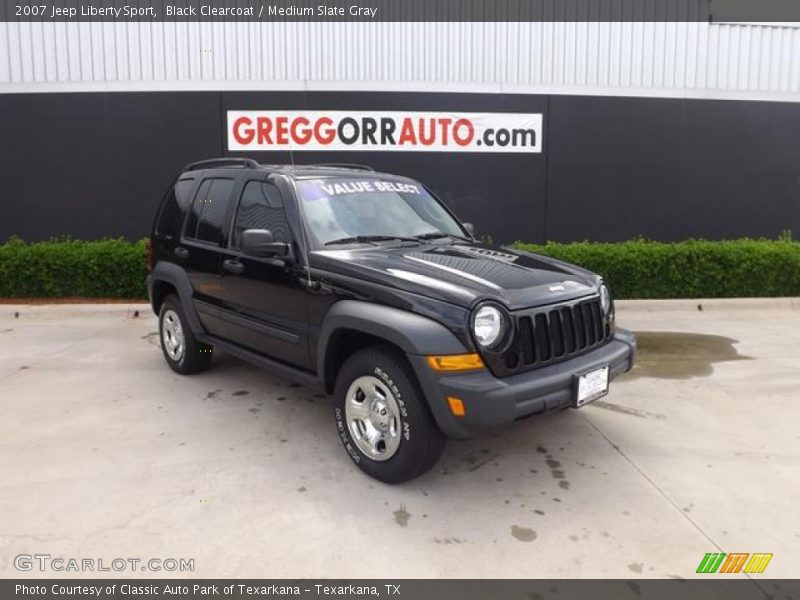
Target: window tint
{"x": 178, "y": 200}
{"x": 208, "y": 211}
{"x": 261, "y": 207}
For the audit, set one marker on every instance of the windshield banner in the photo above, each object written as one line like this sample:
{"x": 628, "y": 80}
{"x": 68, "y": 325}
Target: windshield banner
{"x": 254, "y": 130}
{"x": 356, "y": 186}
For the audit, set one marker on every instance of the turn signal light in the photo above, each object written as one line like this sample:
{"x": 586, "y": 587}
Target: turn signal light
{"x": 456, "y": 362}
{"x": 456, "y": 406}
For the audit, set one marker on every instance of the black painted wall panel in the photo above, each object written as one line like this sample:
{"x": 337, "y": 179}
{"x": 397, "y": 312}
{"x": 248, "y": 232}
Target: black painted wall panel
{"x": 53, "y": 147}
{"x": 151, "y": 137}
{"x": 94, "y": 165}
{"x": 670, "y": 169}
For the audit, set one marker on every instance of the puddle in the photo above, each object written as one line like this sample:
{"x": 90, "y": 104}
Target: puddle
{"x": 523, "y": 534}
{"x": 401, "y": 516}
{"x": 671, "y": 355}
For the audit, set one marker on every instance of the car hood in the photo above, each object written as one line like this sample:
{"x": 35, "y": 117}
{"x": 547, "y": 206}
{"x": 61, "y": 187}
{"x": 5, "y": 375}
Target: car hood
{"x": 463, "y": 274}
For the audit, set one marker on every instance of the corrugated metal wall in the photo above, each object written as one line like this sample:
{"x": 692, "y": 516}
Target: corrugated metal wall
{"x": 653, "y": 58}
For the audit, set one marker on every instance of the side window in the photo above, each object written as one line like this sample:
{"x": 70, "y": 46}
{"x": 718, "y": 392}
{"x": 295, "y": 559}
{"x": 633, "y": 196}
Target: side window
{"x": 260, "y": 207}
{"x": 208, "y": 211}
{"x": 175, "y": 205}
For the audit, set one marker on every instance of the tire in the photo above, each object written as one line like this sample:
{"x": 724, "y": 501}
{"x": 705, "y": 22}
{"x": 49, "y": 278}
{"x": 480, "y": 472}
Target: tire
{"x": 183, "y": 353}
{"x": 396, "y": 445}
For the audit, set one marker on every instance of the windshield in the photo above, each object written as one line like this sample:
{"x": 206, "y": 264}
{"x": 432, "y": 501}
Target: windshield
{"x": 353, "y": 210}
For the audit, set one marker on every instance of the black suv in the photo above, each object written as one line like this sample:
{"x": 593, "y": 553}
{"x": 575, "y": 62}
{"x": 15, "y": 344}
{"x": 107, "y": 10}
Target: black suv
{"x": 365, "y": 285}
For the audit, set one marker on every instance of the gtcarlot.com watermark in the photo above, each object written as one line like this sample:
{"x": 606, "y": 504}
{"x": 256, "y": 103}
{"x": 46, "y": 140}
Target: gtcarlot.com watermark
{"x": 60, "y": 564}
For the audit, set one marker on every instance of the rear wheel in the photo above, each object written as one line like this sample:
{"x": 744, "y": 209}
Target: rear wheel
{"x": 382, "y": 417}
{"x": 183, "y": 353}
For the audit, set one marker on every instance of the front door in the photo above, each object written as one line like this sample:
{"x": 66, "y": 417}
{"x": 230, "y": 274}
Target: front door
{"x": 264, "y": 298}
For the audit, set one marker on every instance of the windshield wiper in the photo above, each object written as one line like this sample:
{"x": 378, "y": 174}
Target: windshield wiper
{"x": 371, "y": 239}
{"x": 435, "y": 235}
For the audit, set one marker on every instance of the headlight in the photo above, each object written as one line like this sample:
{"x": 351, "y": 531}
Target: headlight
{"x": 491, "y": 327}
{"x": 605, "y": 299}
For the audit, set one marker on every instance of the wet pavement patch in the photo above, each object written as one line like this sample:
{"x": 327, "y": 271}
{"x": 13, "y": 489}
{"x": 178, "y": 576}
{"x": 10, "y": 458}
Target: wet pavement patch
{"x": 401, "y": 516}
{"x": 672, "y": 355}
{"x": 152, "y": 338}
{"x": 523, "y": 534}
{"x": 643, "y": 414}
{"x": 555, "y": 469}
{"x": 479, "y": 459}
{"x": 552, "y": 463}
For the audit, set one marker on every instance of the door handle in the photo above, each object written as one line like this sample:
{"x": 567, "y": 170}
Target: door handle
{"x": 181, "y": 252}
{"x": 233, "y": 266}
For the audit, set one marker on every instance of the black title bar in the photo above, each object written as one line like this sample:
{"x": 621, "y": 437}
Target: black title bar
{"x": 709, "y": 588}
{"x": 401, "y": 10}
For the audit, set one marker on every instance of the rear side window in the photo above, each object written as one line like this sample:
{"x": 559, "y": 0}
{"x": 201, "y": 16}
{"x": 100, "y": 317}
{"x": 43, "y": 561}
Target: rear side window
{"x": 175, "y": 206}
{"x": 208, "y": 211}
{"x": 260, "y": 207}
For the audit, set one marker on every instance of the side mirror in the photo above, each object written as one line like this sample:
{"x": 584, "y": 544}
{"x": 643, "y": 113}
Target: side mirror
{"x": 470, "y": 228}
{"x": 261, "y": 242}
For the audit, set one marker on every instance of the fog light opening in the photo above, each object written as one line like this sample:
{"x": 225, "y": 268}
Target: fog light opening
{"x": 456, "y": 406}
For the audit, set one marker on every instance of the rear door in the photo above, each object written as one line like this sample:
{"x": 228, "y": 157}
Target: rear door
{"x": 200, "y": 249}
{"x": 265, "y": 298}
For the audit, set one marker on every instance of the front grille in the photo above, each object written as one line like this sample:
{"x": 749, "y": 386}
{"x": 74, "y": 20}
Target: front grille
{"x": 553, "y": 333}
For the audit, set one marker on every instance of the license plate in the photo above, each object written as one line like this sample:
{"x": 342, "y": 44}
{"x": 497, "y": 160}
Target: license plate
{"x": 591, "y": 386}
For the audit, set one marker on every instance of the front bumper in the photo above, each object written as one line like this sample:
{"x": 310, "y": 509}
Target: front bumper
{"x": 490, "y": 401}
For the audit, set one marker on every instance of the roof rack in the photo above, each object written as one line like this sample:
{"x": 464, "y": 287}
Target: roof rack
{"x": 343, "y": 166}
{"x": 247, "y": 163}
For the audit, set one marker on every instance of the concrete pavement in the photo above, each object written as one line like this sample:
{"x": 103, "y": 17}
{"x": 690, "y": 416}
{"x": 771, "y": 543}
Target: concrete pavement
{"x": 105, "y": 453}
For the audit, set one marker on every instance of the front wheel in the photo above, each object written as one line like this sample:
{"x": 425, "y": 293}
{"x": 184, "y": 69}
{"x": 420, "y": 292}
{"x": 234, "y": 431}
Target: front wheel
{"x": 382, "y": 417}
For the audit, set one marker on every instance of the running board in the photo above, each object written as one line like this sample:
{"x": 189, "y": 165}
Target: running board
{"x": 303, "y": 377}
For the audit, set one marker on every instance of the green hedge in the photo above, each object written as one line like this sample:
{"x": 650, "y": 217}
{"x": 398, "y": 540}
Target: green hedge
{"x": 690, "y": 269}
{"x": 635, "y": 269}
{"x": 60, "y": 268}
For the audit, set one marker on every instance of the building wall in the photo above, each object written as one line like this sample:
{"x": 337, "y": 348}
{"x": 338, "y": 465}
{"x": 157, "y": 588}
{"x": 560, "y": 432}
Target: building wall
{"x": 691, "y": 59}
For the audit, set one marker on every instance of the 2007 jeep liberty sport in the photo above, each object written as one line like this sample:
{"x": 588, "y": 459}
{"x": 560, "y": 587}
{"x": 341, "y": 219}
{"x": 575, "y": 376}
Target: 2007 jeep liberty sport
{"x": 366, "y": 285}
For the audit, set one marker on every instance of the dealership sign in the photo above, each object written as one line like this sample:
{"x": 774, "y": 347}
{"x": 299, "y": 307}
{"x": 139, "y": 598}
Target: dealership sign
{"x": 393, "y": 131}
